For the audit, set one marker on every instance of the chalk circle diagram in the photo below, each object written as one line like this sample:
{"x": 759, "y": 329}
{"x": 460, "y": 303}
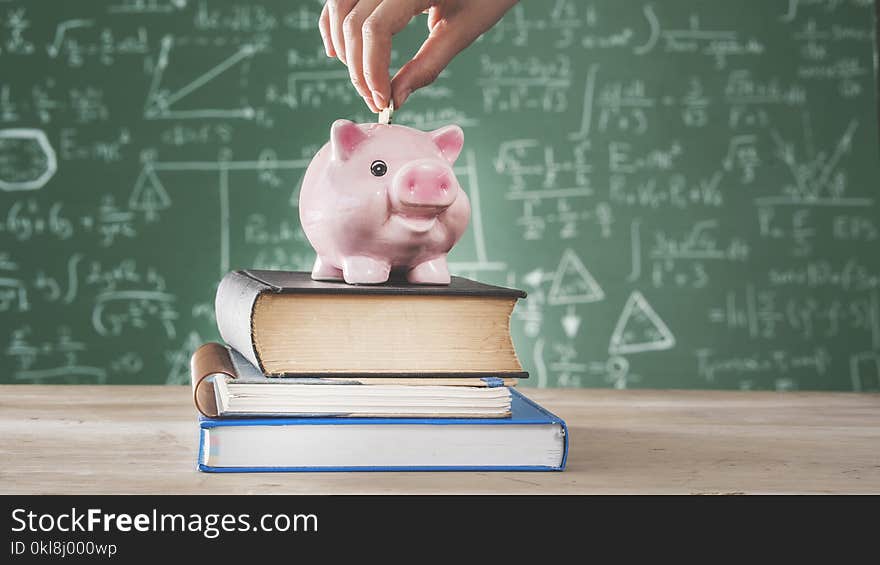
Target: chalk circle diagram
{"x": 639, "y": 329}
{"x": 27, "y": 159}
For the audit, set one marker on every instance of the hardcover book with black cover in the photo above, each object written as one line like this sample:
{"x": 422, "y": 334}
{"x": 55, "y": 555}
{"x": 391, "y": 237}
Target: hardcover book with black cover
{"x": 285, "y": 323}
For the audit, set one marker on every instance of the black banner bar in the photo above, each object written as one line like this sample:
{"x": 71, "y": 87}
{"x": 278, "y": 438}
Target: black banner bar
{"x": 217, "y": 529}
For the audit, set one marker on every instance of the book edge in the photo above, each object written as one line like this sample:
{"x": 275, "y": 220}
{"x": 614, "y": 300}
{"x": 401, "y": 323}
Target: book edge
{"x": 553, "y": 419}
{"x": 386, "y": 288}
{"x": 367, "y": 469}
{"x": 234, "y": 305}
{"x": 214, "y": 422}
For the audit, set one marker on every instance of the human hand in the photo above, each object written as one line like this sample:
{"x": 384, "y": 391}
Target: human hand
{"x": 359, "y": 33}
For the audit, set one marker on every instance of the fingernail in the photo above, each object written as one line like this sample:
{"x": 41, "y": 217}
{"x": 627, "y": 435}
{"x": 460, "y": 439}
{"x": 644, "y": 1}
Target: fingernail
{"x": 379, "y": 100}
{"x": 370, "y": 104}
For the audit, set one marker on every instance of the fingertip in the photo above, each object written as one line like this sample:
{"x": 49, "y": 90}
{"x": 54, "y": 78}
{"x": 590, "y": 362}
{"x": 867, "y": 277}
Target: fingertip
{"x": 379, "y": 99}
{"x": 400, "y": 95}
{"x": 370, "y": 104}
{"x": 402, "y": 85}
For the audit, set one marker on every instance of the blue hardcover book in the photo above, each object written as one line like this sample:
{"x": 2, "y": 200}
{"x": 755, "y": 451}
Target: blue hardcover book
{"x": 531, "y": 439}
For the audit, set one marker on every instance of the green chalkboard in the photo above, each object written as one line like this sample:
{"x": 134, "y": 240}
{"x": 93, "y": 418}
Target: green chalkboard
{"x": 687, "y": 190}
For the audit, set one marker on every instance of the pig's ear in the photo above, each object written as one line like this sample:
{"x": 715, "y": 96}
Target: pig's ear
{"x": 450, "y": 140}
{"x": 345, "y": 136}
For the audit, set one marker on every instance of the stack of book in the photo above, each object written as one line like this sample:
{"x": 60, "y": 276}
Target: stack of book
{"x": 329, "y": 376}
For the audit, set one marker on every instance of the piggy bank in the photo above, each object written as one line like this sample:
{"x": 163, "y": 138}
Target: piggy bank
{"x": 380, "y": 198}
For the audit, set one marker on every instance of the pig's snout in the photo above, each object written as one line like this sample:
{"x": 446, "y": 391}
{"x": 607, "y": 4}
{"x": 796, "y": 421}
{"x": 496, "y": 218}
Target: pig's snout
{"x": 426, "y": 185}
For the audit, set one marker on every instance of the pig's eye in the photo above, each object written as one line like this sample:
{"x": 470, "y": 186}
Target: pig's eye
{"x": 378, "y": 168}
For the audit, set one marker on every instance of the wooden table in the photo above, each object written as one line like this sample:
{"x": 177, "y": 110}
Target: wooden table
{"x": 142, "y": 439}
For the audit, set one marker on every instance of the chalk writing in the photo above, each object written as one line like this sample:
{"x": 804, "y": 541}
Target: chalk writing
{"x": 686, "y": 190}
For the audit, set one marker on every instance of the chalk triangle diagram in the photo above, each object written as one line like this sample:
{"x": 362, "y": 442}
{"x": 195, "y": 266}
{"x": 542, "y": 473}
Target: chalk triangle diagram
{"x": 162, "y": 103}
{"x": 149, "y": 196}
{"x": 639, "y": 329}
{"x": 573, "y": 283}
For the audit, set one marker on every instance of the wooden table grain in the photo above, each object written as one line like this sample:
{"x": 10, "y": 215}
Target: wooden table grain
{"x": 142, "y": 439}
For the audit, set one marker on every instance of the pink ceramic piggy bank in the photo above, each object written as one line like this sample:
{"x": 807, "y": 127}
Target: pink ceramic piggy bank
{"x": 378, "y": 198}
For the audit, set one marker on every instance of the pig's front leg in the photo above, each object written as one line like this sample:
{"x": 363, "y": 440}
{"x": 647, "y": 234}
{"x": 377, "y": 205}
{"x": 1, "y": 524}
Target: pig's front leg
{"x": 434, "y": 271}
{"x": 365, "y": 270}
{"x": 325, "y": 271}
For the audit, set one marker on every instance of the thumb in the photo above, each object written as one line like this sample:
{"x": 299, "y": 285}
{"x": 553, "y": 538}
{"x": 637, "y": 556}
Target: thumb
{"x": 441, "y": 46}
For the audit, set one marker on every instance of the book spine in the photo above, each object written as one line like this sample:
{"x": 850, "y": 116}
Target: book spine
{"x": 209, "y": 359}
{"x": 234, "y": 307}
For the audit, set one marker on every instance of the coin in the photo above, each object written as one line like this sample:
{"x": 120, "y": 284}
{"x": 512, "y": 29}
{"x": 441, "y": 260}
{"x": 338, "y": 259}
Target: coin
{"x": 386, "y": 113}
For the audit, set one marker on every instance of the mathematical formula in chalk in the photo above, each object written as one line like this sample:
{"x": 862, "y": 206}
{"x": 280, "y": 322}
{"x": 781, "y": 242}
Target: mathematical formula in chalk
{"x": 687, "y": 192}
